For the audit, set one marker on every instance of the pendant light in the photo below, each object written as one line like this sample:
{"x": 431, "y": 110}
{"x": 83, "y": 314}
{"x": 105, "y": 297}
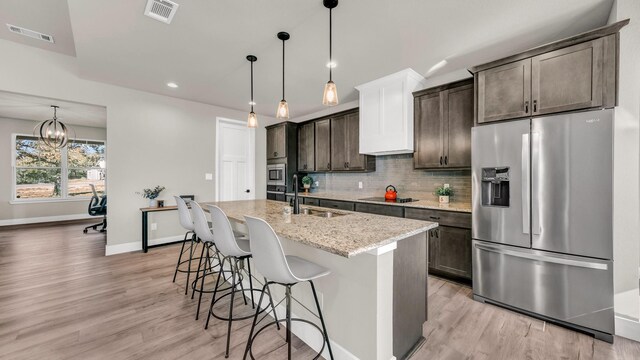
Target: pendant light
{"x": 283, "y": 107}
{"x": 330, "y": 96}
{"x": 252, "y": 120}
{"x": 52, "y": 132}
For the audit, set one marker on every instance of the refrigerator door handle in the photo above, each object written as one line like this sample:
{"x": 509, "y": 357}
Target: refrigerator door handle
{"x": 536, "y": 228}
{"x": 543, "y": 258}
{"x": 526, "y": 203}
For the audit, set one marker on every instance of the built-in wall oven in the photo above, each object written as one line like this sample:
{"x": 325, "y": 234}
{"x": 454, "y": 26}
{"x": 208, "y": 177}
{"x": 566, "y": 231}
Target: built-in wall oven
{"x": 276, "y": 182}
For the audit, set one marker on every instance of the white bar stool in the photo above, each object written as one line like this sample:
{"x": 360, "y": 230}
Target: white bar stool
{"x": 187, "y": 223}
{"x": 286, "y": 270}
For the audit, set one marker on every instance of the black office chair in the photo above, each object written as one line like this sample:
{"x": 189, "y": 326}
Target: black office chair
{"x": 97, "y": 207}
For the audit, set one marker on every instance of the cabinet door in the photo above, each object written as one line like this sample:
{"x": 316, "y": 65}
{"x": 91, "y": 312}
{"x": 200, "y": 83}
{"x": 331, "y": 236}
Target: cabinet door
{"x": 276, "y": 142}
{"x": 323, "y": 145}
{"x": 339, "y": 143}
{"x": 504, "y": 92}
{"x": 428, "y": 113}
{"x": 567, "y": 79}
{"x": 457, "y": 128}
{"x": 454, "y": 251}
{"x": 306, "y": 147}
{"x": 355, "y": 160}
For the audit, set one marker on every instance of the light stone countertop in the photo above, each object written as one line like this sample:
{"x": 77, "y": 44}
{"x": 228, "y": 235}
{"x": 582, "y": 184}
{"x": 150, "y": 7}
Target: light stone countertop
{"x": 425, "y": 200}
{"x": 349, "y": 235}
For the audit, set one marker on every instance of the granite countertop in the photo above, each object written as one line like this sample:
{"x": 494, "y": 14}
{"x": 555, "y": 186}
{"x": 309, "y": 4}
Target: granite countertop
{"x": 348, "y": 235}
{"x": 425, "y": 200}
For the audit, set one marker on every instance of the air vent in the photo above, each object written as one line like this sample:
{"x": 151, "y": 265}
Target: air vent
{"x": 30, "y": 33}
{"x": 161, "y": 10}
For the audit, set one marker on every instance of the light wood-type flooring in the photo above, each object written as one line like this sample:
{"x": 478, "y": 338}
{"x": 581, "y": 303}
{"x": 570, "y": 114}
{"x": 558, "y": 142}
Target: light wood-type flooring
{"x": 61, "y": 298}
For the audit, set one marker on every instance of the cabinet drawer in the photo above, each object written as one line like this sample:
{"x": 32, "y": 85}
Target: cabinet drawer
{"x": 311, "y": 201}
{"x": 334, "y": 204}
{"x": 444, "y": 218}
{"x": 388, "y": 210}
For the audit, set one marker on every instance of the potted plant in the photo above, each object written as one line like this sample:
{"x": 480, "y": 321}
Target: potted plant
{"x": 306, "y": 182}
{"x": 443, "y": 194}
{"x": 152, "y": 194}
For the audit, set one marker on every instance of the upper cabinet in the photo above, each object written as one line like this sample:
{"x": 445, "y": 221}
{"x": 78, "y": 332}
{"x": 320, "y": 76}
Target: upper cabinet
{"x": 282, "y": 141}
{"x": 345, "y": 155}
{"x": 306, "y": 147}
{"x": 386, "y": 113}
{"x": 443, "y": 118}
{"x": 571, "y": 74}
{"x": 323, "y": 145}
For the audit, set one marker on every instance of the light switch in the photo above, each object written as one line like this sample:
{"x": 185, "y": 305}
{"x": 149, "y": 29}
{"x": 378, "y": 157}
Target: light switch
{"x": 208, "y": 176}
{"x": 359, "y": 184}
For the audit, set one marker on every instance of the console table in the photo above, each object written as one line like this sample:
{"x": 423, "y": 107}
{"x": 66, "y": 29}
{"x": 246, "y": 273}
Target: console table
{"x": 145, "y": 223}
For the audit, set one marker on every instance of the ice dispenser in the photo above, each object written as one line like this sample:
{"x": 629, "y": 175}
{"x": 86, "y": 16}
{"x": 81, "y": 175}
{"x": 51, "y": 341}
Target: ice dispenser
{"x": 495, "y": 186}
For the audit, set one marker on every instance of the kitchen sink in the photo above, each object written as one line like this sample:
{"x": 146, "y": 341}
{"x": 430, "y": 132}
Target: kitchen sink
{"x": 320, "y": 213}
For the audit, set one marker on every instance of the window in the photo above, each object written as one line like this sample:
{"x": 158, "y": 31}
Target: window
{"x": 41, "y": 172}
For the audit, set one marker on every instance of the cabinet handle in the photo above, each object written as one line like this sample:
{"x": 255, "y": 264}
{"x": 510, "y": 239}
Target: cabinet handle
{"x": 348, "y": 164}
{"x": 328, "y": 166}
{"x": 446, "y": 160}
{"x": 535, "y": 105}
{"x": 440, "y": 160}
{"x": 526, "y": 106}
{"x": 275, "y": 153}
{"x": 434, "y": 217}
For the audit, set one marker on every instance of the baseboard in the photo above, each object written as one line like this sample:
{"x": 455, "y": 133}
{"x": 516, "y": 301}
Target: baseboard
{"x": 627, "y": 328}
{"x": 45, "y": 219}
{"x": 137, "y": 245}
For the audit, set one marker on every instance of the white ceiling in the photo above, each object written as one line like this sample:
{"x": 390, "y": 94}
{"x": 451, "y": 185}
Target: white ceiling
{"x": 203, "y": 50}
{"x": 36, "y": 108}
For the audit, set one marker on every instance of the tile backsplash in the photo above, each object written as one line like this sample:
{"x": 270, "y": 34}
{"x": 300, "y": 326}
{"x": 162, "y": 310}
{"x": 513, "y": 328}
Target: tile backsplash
{"x": 397, "y": 170}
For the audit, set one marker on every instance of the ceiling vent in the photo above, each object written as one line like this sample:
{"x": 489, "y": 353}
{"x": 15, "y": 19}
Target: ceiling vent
{"x": 30, "y": 33}
{"x": 161, "y": 10}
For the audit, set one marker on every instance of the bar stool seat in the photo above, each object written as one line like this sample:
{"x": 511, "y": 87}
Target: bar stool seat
{"x": 184, "y": 265}
{"x": 305, "y": 270}
{"x": 243, "y": 244}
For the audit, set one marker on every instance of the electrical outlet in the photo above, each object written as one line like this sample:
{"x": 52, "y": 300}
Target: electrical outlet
{"x": 208, "y": 176}
{"x": 360, "y": 185}
{"x": 154, "y": 226}
{"x": 446, "y": 186}
{"x": 316, "y": 183}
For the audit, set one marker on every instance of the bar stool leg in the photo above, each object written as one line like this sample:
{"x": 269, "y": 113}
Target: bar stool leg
{"x": 193, "y": 288}
{"x": 251, "y": 283}
{"x": 255, "y": 319}
{"x": 324, "y": 328}
{"x": 275, "y": 316}
{"x": 215, "y": 292}
{"x": 204, "y": 275}
{"x": 233, "y": 292}
{"x": 180, "y": 257}
{"x": 191, "y": 250}
{"x": 288, "y": 339}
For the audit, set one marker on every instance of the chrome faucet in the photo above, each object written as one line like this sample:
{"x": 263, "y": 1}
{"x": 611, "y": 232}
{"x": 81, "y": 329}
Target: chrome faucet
{"x": 296, "y": 203}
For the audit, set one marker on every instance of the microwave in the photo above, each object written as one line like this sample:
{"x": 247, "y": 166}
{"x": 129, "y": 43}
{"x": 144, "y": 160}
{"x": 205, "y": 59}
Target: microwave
{"x": 276, "y": 174}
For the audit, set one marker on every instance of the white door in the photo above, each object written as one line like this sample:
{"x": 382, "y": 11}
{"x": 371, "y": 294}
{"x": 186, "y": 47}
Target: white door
{"x": 235, "y": 161}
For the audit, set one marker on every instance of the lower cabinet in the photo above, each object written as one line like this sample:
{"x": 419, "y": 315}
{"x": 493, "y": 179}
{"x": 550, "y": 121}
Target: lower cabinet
{"x": 388, "y": 210}
{"x": 311, "y": 201}
{"x": 449, "y": 244}
{"x": 335, "y": 204}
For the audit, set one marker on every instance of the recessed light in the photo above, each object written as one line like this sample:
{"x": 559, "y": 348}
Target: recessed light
{"x": 331, "y": 64}
{"x": 252, "y": 103}
{"x": 172, "y": 85}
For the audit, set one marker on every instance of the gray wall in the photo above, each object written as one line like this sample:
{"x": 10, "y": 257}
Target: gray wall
{"x": 9, "y": 211}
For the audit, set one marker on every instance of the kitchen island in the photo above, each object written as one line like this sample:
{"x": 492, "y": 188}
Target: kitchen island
{"x": 374, "y": 301}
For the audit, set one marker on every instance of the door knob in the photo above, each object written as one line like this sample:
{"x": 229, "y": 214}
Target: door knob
{"x": 247, "y": 191}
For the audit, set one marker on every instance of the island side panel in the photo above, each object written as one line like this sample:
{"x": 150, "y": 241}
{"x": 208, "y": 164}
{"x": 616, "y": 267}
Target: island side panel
{"x": 409, "y": 293}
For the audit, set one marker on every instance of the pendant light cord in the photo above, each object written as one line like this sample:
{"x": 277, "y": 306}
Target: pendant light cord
{"x": 330, "y": 45}
{"x": 283, "y": 69}
{"x": 251, "y": 86}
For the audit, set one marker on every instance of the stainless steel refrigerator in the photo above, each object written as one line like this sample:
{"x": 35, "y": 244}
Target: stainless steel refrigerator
{"x": 542, "y": 218}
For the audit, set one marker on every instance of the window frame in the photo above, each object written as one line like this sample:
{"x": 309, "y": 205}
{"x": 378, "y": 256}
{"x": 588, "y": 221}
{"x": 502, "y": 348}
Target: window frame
{"x": 64, "y": 174}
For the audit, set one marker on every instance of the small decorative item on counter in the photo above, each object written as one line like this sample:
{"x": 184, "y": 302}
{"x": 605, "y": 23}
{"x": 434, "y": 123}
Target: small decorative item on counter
{"x": 160, "y": 203}
{"x": 152, "y": 194}
{"x": 391, "y": 193}
{"x": 443, "y": 194}
{"x": 306, "y": 183}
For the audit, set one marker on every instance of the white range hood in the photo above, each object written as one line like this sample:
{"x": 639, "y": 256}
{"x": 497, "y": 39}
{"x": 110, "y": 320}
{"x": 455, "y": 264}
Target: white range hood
{"x": 386, "y": 113}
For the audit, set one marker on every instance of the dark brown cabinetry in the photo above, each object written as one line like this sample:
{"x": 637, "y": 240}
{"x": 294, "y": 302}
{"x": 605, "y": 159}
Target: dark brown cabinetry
{"x": 336, "y": 204}
{"x": 443, "y": 118}
{"x": 345, "y": 139}
{"x": 323, "y": 145}
{"x": 387, "y": 210}
{"x": 277, "y": 141}
{"x": 449, "y": 244}
{"x": 306, "y": 147}
{"x": 571, "y": 74}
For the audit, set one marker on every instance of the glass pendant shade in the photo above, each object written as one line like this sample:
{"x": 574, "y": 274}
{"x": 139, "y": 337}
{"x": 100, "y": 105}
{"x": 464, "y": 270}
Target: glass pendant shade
{"x": 252, "y": 120}
{"x": 330, "y": 97}
{"x": 283, "y": 110}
